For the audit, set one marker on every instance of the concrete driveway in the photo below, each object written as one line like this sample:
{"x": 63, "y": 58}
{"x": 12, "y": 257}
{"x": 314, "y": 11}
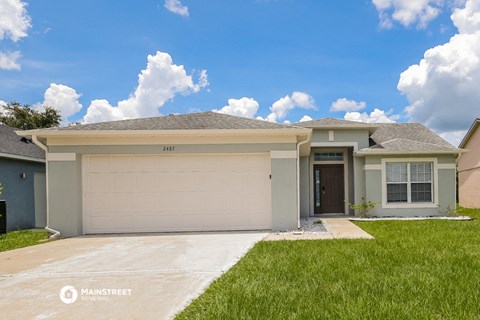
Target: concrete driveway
{"x": 116, "y": 277}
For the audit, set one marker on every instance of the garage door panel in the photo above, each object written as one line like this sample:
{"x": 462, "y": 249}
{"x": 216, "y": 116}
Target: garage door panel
{"x": 103, "y": 223}
{"x": 154, "y": 193}
{"x": 99, "y": 182}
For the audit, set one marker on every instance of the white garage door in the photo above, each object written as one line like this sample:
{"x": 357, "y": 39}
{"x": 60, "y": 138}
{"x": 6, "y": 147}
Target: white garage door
{"x": 156, "y": 193}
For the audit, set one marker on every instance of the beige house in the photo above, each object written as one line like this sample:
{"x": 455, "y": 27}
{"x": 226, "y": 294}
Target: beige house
{"x": 469, "y": 168}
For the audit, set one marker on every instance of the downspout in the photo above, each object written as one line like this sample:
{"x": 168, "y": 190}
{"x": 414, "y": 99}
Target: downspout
{"x": 54, "y": 233}
{"x": 298, "y": 179}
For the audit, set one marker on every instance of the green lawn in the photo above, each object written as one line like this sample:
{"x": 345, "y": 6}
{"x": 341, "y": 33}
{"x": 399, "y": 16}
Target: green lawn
{"x": 20, "y": 239}
{"x": 411, "y": 270}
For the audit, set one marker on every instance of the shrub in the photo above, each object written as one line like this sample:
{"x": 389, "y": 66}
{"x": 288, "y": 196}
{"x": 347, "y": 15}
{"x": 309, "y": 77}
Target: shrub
{"x": 362, "y": 209}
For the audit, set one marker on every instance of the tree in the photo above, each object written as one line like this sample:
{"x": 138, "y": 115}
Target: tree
{"x": 24, "y": 117}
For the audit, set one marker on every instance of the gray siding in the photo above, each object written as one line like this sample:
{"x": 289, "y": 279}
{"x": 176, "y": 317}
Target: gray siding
{"x": 19, "y": 192}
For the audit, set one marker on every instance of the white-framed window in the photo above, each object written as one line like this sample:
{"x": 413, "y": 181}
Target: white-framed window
{"x": 409, "y": 182}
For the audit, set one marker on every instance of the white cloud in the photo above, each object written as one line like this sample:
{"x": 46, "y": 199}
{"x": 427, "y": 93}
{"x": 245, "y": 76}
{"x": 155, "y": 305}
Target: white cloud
{"x": 282, "y": 106}
{"x": 407, "y": 12}
{"x": 454, "y": 137}
{"x": 8, "y": 60}
{"x": 14, "y": 24}
{"x": 244, "y": 107}
{"x": 443, "y": 88}
{"x": 467, "y": 19}
{"x": 376, "y": 116}
{"x": 63, "y": 98}
{"x": 344, "y": 104}
{"x": 15, "y": 20}
{"x": 158, "y": 83}
{"x": 305, "y": 118}
{"x": 177, "y": 7}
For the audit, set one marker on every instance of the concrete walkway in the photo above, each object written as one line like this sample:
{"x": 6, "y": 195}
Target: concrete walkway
{"x": 336, "y": 228}
{"x": 342, "y": 228}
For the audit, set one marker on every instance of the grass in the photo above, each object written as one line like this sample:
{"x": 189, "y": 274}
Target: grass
{"x": 411, "y": 270}
{"x": 19, "y": 239}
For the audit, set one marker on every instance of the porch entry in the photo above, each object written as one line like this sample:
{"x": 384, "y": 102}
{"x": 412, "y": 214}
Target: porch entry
{"x": 329, "y": 188}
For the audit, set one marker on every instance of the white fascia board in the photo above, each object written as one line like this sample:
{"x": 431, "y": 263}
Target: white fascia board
{"x": 18, "y": 157}
{"x": 399, "y": 153}
{"x": 123, "y": 133}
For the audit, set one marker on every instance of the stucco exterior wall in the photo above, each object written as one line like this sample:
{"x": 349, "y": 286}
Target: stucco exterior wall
{"x": 18, "y": 192}
{"x": 469, "y": 173}
{"x": 446, "y": 184}
{"x": 284, "y": 194}
{"x": 358, "y": 136}
{"x": 65, "y": 180}
{"x": 305, "y": 186}
{"x": 65, "y": 196}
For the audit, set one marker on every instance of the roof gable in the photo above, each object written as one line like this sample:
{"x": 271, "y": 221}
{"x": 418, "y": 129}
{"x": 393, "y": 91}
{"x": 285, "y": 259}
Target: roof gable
{"x": 408, "y": 138}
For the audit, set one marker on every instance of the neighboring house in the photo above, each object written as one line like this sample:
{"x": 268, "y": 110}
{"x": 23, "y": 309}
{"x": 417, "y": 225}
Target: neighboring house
{"x": 469, "y": 168}
{"x": 210, "y": 171}
{"x": 22, "y": 174}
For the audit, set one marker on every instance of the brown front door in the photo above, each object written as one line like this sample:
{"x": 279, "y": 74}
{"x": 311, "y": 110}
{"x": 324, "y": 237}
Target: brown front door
{"x": 328, "y": 182}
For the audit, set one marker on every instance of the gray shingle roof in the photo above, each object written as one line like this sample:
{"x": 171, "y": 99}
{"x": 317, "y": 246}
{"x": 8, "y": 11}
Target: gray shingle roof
{"x": 331, "y": 122}
{"x": 12, "y": 144}
{"x": 407, "y": 137}
{"x": 192, "y": 121}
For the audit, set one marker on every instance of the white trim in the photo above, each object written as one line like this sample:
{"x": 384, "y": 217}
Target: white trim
{"x": 290, "y": 154}
{"x": 331, "y": 135}
{"x": 17, "y": 157}
{"x": 298, "y": 181}
{"x": 399, "y": 153}
{"x": 445, "y": 166}
{"x": 433, "y": 204}
{"x": 372, "y": 167}
{"x": 61, "y": 156}
{"x": 150, "y": 133}
{"x": 335, "y": 144}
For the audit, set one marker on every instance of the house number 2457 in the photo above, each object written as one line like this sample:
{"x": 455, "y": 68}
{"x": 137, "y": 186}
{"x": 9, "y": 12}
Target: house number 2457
{"x": 168, "y": 148}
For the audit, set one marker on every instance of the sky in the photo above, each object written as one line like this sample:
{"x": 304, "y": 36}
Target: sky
{"x": 277, "y": 60}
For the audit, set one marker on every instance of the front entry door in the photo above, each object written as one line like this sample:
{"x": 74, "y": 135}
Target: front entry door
{"x": 328, "y": 181}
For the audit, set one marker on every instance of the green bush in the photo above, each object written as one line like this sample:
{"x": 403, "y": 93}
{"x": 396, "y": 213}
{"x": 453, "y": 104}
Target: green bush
{"x": 362, "y": 209}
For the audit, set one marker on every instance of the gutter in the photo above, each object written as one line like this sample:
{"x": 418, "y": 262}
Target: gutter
{"x": 55, "y": 233}
{"x": 298, "y": 179}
